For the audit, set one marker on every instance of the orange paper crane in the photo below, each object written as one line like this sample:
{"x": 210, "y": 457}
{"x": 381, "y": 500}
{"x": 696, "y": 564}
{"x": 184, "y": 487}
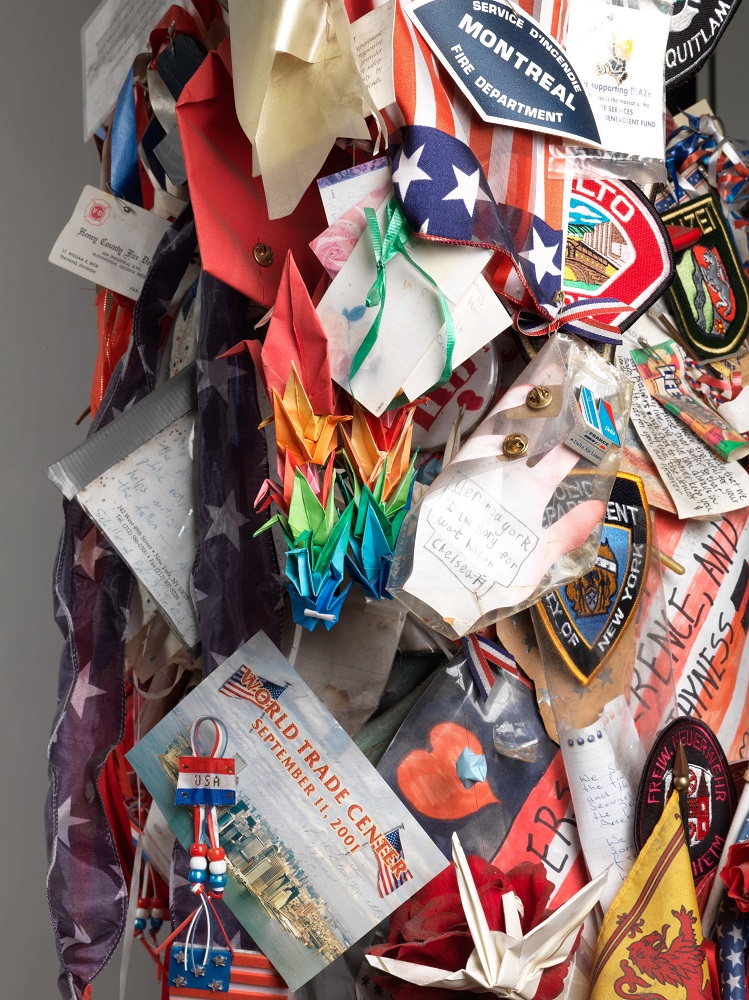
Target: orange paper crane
{"x": 308, "y": 437}
{"x": 368, "y": 452}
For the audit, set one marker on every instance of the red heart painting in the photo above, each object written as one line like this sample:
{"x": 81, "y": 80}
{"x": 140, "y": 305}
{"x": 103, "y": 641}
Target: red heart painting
{"x": 430, "y": 782}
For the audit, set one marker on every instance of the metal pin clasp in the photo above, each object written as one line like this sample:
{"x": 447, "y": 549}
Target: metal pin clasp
{"x": 515, "y": 445}
{"x": 539, "y": 397}
{"x": 263, "y": 254}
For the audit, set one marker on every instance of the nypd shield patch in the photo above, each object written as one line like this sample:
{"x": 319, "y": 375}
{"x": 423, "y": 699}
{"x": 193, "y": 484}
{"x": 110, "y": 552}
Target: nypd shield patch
{"x": 586, "y": 619}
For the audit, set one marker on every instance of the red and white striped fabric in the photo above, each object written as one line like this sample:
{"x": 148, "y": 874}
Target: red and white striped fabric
{"x": 252, "y": 977}
{"x": 515, "y": 162}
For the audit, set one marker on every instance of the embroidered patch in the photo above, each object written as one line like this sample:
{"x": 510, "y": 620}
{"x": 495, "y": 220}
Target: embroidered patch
{"x": 616, "y": 248}
{"x": 696, "y": 28}
{"x": 709, "y": 295}
{"x": 710, "y": 797}
{"x": 586, "y": 619}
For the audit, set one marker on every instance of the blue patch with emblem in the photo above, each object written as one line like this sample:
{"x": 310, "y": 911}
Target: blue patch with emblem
{"x": 586, "y": 619}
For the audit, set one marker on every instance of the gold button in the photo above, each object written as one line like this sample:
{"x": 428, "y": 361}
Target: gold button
{"x": 515, "y": 445}
{"x": 263, "y": 254}
{"x": 539, "y": 397}
{"x": 559, "y": 297}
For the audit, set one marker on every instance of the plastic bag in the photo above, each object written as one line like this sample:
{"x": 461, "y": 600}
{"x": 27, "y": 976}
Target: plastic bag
{"x": 484, "y": 541}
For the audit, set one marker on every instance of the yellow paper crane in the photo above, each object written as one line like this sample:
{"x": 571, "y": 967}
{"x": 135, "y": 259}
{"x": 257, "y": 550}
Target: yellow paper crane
{"x": 308, "y": 437}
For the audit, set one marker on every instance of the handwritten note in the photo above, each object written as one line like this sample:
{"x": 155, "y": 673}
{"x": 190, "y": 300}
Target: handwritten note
{"x": 603, "y": 798}
{"x": 476, "y": 538}
{"x": 700, "y": 483}
{"x": 145, "y": 505}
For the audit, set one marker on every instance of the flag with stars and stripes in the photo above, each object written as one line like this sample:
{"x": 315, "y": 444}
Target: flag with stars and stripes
{"x": 250, "y": 977}
{"x": 87, "y": 893}
{"x": 482, "y": 655}
{"x": 86, "y": 890}
{"x": 238, "y": 685}
{"x": 733, "y": 945}
{"x": 386, "y": 882}
{"x": 462, "y": 180}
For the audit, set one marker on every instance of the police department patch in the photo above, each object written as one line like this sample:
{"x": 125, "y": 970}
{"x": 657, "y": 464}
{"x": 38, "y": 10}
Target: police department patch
{"x": 710, "y": 798}
{"x": 709, "y": 294}
{"x": 696, "y": 28}
{"x": 586, "y": 619}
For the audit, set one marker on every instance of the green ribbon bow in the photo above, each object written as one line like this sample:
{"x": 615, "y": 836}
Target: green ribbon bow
{"x": 397, "y": 232}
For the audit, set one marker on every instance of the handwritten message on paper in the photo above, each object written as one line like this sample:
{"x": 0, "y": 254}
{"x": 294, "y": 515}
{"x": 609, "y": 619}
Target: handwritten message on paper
{"x": 111, "y": 38}
{"x": 145, "y": 505}
{"x": 699, "y": 482}
{"x": 479, "y": 541}
{"x": 604, "y": 803}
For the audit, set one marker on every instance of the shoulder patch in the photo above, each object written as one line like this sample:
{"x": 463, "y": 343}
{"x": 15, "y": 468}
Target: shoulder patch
{"x": 710, "y": 795}
{"x": 586, "y": 619}
{"x": 709, "y": 294}
{"x": 696, "y": 28}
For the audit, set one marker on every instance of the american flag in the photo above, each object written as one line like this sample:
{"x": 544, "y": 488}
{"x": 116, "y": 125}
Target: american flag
{"x": 386, "y": 883}
{"x": 462, "y": 180}
{"x": 481, "y": 654}
{"x": 238, "y": 685}
{"x": 733, "y": 940}
{"x": 251, "y": 977}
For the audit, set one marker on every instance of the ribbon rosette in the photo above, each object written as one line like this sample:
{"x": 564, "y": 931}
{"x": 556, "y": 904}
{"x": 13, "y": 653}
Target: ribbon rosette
{"x": 511, "y": 963}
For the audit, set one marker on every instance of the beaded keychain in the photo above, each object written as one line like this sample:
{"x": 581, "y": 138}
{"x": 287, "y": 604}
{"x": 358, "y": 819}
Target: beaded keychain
{"x": 204, "y": 782}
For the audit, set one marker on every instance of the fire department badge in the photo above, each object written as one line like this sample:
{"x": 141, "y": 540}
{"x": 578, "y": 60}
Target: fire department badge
{"x": 709, "y": 295}
{"x": 710, "y": 797}
{"x": 586, "y": 619}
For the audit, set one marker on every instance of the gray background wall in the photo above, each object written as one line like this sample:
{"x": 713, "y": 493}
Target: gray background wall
{"x": 48, "y": 345}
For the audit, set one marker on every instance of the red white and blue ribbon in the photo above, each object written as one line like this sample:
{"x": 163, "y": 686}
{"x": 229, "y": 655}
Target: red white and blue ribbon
{"x": 482, "y": 655}
{"x": 578, "y": 318}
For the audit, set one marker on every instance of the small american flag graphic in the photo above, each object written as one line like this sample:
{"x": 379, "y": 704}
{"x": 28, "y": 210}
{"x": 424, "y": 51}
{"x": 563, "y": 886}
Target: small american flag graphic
{"x": 386, "y": 882}
{"x": 251, "y": 977}
{"x": 481, "y": 655}
{"x": 243, "y": 683}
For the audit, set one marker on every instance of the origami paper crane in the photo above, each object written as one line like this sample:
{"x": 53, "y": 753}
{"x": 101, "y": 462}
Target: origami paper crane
{"x": 297, "y": 88}
{"x": 270, "y": 492}
{"x": 294, "y": 337}
{"x": 309, "y": 438}
{"x": 375, "y": 443}
{"x": 507, "y": 963}
{"x": 471, "y": 767}
{"x": 375, "y": 529}
{"x": 317, "y": 537}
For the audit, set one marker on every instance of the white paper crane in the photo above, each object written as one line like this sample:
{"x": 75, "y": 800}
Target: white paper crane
{"x": 508, "y": 964}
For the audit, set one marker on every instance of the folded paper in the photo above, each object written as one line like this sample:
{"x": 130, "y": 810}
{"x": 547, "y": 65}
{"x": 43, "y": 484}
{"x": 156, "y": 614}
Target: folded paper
{"x": 506, "y": 964}
{"x": 294, "y": 337}
{"x": 297, "y": 88}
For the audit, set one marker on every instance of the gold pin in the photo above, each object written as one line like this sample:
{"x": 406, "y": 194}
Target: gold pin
{"x": 539, "y": 397}
{"x": 515, "y": 445}
{"x": 263, "y": 254}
